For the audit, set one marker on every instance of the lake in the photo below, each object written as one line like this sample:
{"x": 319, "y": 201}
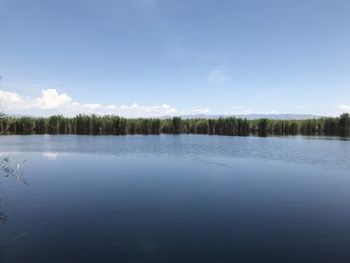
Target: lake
{"x": 185, "y": 198}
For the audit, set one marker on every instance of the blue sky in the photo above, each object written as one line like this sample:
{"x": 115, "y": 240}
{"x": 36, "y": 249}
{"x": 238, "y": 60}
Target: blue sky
{"x": 156, "y": 57}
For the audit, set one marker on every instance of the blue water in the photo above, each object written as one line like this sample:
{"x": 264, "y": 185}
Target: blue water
{"x": 186, "y": 198}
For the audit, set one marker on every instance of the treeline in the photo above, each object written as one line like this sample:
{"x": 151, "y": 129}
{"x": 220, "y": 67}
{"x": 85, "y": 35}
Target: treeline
{"x": 114, "y": 125}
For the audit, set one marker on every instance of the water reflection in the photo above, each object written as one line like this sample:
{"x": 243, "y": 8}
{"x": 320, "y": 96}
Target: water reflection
{"x": 9, "y": 168}
{"x": 179, "y": 199}
{"x": 325, "y": 152}
{"x": 50, "y": 155}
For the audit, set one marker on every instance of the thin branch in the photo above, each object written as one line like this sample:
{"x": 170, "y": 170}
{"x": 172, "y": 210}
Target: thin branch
{"x": 12, "y": 240}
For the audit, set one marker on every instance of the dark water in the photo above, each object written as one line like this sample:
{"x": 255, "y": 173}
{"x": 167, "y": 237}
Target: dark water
{"x": 177, "y": 199}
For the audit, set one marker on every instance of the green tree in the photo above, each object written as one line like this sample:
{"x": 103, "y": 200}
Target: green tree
{"x": 344, "y": 124}
{"x": 176, "y": 125}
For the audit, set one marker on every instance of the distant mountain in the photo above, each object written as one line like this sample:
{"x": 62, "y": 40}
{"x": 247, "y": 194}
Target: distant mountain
{"x": 280, "y": 116}
{"x": 254, "y": 116}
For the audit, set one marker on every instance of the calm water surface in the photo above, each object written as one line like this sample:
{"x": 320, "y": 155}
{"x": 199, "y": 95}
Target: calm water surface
{"x": 177, "y": 199}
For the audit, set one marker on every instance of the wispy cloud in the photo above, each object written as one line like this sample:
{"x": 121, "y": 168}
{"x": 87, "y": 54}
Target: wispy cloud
{"x": 273, "y": 112}
{"x": 52, "y": 102}
{"x": 200, "y": 110}
{"x": 240, "y": 110}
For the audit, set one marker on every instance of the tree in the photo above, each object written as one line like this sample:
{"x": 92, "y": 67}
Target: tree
{"x": 263, "y": 127}
{"x": 344, "y": 124}
{"x": 176, "y": 125}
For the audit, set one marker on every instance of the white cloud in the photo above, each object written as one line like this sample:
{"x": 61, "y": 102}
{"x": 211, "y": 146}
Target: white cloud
{"x": 10, "y": 97}
{"x": 12, "y": 101}
{"x": 50, "y": 155}
{"x": 50, "y": 99}
{"x": 93, "y": 106}
{"x": 52, "y": 102}
{"x": 343, "y": 107}
{"x": 111, "y": 107}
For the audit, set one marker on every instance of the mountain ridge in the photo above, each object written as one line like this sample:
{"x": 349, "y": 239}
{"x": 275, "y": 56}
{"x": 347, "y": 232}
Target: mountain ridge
{"x": 253, "y": 116}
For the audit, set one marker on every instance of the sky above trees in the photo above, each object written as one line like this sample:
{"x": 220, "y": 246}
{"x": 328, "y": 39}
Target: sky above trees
{"x": 165, "y": 57}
